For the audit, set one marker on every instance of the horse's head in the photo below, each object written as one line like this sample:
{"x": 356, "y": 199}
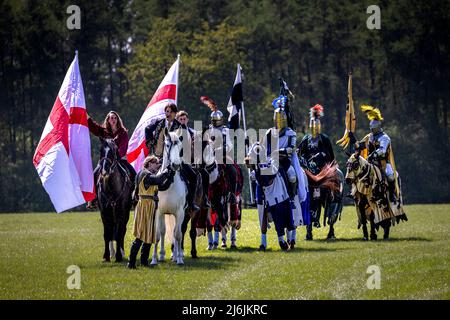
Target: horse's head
{"x": 355, "y": 165}
{"x": 256, "y": 153}
{"x": 265, "y": 168}
{"x": 108, "y": 156}
{"x": 172, "y": 149}
{"x": 209, "y": 155}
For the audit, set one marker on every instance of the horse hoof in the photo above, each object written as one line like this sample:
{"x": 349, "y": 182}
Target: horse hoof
{"x": 106, "y": 260}
{"x": 162, "y": 258}
{"x": 365, "y": 239}
{"x": 209, "y": 247}
{"x": 233, "y": 246}
{"x": 180, "y": 262}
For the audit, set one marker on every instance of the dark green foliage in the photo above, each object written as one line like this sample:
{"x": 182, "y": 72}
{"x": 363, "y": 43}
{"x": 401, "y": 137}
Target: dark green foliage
{"x": 126, "y": 46}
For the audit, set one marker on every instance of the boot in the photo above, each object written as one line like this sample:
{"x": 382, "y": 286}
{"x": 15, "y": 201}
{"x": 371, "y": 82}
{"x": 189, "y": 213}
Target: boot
{"x": 392, "y": 196}
{"x": 206, "y": 202}
{"x": 135, "y": 246}
{"x": 190, "y": 198}
{"x": 145, "y": 253}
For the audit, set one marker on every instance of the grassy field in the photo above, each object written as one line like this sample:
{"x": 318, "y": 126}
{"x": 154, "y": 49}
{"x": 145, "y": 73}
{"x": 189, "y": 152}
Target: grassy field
{"x": 36, "y": 250}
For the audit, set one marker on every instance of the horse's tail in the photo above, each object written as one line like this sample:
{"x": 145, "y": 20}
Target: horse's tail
{"x": 170, "y": 226}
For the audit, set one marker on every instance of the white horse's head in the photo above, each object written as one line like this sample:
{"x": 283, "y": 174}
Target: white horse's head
{"x": 208, "y": 153}
{"x": 172, "y": 149}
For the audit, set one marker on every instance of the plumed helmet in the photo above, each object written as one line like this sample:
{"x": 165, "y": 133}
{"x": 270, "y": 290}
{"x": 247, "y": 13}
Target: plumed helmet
{"x": 217, "y": 118}
{"x": 315, "y": 113}
{"x": 374, "y": 116}
{"x": 216, "y": 114}
{"x": 279, "y": 118}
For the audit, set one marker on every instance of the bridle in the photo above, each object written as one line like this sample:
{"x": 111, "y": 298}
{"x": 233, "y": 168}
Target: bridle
{"x": 114, "y": 162}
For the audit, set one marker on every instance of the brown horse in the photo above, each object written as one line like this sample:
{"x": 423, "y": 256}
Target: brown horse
{"x": 114, "y": 188}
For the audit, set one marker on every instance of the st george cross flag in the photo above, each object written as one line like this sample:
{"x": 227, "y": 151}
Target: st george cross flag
{"x": 235, "y": 103}
{"x": 165, "y": 94}
{"x": 63, "y": 155}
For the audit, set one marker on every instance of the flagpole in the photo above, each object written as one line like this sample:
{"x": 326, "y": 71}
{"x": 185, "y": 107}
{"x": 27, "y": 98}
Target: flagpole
{"x": 246, "y": 143}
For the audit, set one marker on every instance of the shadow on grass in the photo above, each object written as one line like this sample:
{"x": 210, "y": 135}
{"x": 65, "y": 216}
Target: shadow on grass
{"x": 203, "y": 262}
{"x": 298, "y": 248}
{"x": 380, "y": 239}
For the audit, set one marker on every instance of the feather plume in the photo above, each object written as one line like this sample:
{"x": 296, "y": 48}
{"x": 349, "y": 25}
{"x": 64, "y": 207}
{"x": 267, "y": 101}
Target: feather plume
{"x": 209, "y": 103}
{"x": 316, "y": 111}
{"x": 372, "y": 113}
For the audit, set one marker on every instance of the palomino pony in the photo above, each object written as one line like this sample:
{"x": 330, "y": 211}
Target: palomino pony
{"x": 114, "y": 188}
{"x": 369, "y": 190}
{"x": 171, "y": 201}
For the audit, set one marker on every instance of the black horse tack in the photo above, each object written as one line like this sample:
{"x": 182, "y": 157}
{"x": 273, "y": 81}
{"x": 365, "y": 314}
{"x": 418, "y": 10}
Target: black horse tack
{"x": 114, "y": 188}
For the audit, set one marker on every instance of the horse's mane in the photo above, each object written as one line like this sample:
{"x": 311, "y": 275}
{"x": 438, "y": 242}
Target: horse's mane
{"x": 326, "y": 178}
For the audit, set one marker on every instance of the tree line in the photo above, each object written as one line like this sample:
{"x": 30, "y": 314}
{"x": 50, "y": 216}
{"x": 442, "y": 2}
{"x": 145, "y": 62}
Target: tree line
{"x": 125, "y": 47}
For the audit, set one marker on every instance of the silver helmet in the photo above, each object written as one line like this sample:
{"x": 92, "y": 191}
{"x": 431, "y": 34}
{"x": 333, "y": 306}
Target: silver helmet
{"x": 217, "y": 118}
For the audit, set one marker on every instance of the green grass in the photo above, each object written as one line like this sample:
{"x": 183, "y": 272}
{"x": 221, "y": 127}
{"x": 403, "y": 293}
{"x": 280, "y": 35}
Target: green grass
{"x": 36, "y": 250}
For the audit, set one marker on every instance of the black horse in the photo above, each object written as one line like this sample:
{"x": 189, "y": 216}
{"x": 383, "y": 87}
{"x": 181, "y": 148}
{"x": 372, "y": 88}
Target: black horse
{"x": 114, "y": 188}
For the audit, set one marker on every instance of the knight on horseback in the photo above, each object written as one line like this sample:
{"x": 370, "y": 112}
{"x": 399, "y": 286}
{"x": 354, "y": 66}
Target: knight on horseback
{"x": 325, "y": 179}
{"x": 374, "y": 180}
{"x": 231, "y": 182}
{"x": 155, "y": 143}
{"x": 287, "y": 139}
{"x": 378, "y": 145}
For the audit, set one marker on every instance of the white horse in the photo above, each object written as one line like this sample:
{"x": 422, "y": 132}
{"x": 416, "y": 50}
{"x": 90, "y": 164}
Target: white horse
{"x": 171, "y": 201}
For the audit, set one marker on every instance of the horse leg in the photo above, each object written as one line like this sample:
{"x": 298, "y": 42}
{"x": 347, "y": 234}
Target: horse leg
{"x": 209, "y": 229}
{"x": 330, "y": 235}
{"x": 177, "y": 237}
{"x": 193, "y": 236}
{"x": 162, "y": 233}
{"x": 154, "y": 261}
{"x": 224, "y": 237}
{"x": 184, "y": 226}
{"x": 373, "y": 232}
{"x": 233, "y": 238}
{"x": 108, "y": 230}
{"x": 309, "y": 235}
{"x": 121, "y": 229}
{"x": 386, "y": 227}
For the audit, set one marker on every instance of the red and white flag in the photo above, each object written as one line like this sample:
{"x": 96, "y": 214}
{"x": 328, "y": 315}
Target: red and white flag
{"x": 165, "y": 94}
{"x": 63, "y": 155}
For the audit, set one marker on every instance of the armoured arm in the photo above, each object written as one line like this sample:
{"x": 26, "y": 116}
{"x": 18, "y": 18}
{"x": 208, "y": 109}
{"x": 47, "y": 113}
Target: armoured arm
{"x": 384, "y": 145}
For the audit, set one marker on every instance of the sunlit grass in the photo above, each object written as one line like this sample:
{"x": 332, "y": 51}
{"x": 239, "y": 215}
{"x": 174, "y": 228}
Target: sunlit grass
{"x": 36, "y": 250}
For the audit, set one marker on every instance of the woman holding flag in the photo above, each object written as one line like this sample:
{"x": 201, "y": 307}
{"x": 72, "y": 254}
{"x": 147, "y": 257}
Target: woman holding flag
{"x": 112, "y": 128}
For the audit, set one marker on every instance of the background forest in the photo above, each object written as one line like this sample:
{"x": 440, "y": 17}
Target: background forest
{"x": 125, "y": 48}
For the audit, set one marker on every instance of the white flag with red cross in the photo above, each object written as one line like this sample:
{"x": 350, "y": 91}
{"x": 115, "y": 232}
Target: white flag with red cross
{"x": 165, "y": 94}
{"x": 63, "y": 155}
